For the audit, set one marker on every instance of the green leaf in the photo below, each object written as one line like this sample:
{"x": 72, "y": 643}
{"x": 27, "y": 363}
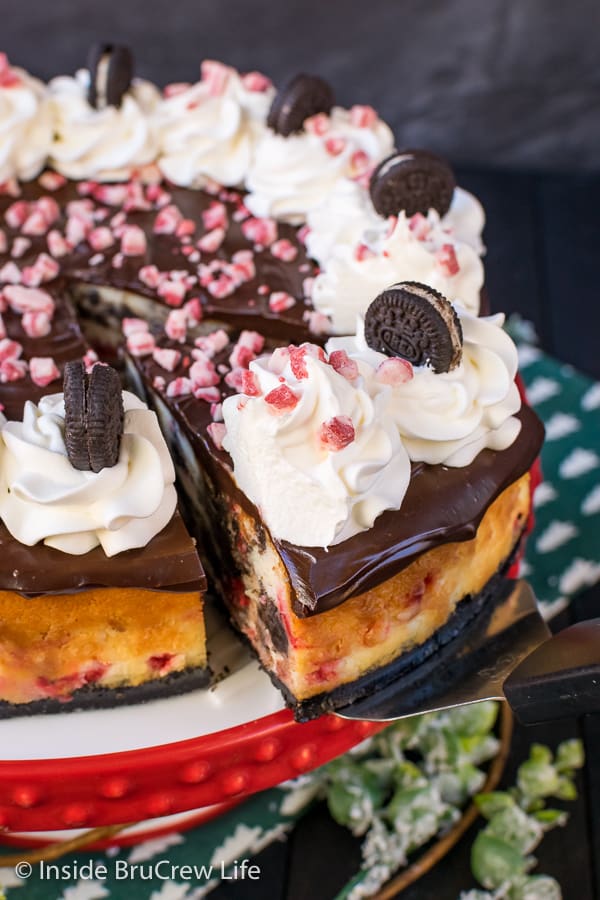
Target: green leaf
{"x": 494, "y": 862}
{"x": 539, "y": 753}
{"x": 492, "y": 802}
{"x": 537, "y": 779}
{"x": 475, "y": 718}
{"x": 566, "y": 789}
{"x": 536, "y": 887}
{"x": 407, "y": 774}
{"x": 550, "y": 818}
{"x": 570, "y": 755}
{"x": 353, "y": 796}
{"x": 516, "y": 828}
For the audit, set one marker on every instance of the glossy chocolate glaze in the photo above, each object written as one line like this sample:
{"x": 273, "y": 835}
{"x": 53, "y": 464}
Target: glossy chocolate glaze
{"x": 169, "y": 561}
{"x": 242, "y": 309}
{"x": 442, "y": 504}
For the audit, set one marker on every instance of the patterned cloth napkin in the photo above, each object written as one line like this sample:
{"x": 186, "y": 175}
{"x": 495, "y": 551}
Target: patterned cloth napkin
{"x": 562, "y": 558}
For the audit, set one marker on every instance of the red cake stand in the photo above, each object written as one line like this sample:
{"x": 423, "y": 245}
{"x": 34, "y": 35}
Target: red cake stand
{"x": 205, "y": 749}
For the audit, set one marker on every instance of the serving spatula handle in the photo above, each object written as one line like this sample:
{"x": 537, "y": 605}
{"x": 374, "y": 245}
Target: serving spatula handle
{"x": 560, "y": 678}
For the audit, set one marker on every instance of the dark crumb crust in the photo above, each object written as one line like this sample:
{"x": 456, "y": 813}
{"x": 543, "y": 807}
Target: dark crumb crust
{"x": 93, "y": 697}
{"x": 415, "y": 666}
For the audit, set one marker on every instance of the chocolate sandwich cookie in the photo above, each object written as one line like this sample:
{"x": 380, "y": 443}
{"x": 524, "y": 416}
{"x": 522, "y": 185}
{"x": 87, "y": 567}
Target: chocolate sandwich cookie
{"x": 93, "y": 416}
{"x": 304, "y": 96}
{"x": 111, "y": 72}
{"x": 417, "y": 323}
{"x": 413, "y": 181}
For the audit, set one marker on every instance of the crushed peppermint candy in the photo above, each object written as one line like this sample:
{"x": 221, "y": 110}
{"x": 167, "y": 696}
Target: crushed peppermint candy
{"x": 337, "y": 433}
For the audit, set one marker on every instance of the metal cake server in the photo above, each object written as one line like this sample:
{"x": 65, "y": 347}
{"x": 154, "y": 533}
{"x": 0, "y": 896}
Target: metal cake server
{"x": 508, "y": 654}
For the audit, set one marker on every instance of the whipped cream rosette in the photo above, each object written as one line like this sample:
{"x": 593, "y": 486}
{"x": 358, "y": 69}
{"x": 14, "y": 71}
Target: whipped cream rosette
{"x": 293, "y": 175}
{"x": 25, "y": 123}
{"x": 322, "y": 442}
{"x": 209, "y": 130}
{"x": 420, "y": 249}
{"x": 315, "y": 448}
{"x": 105, "y": 144}
{"x": 44, "y": 498}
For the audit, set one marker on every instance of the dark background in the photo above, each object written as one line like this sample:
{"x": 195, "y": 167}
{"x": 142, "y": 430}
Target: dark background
{"x": 496, "y": 82}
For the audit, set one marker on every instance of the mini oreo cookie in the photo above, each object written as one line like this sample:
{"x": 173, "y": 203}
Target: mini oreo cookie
{"x": 416, "y": 322}
{"x": 414, "y": 181}
{"x": 111, "y": 72}
{"x": 93, "y": 416}
{"x": 304, "y": 96}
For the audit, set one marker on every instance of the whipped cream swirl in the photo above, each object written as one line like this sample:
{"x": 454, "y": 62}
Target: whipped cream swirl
{"x": 25, "y": 123}
{"x": 310, "y": 490}
{"x": 410, "y": 250}
{"x": 43, "y": 498}
{"x": 209, "y": 130}
{"x": 448, "y": 418}
{"x": 323, "y": 447}
{"x": 293, "y": 175}
{"x": 103, "y": 144}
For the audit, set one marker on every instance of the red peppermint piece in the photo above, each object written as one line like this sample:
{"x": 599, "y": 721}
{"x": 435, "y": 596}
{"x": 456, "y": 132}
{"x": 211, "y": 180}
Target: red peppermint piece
{"x": 150, "y": 276}
{"x": 36, "y": 324}
{"x": 131, "y": 325}
{"x": 25, "y": 299}
{"x": 167, "y": 220}
{"x": 234, "y": 379}
{"x": 172, "y": 292}
{"x": 342, "y": 364}
{"x": 208, "y": 394}
{"x": 284, "y": 250}
{"x": 446, "y": 260}
{"x": 337, "y": 433}
{"x": 179, "y": 387}
{"x": 35, "y": 224}
{"x": 9, "y": 349}
{"x": 52, "y": 181}
{"x": 394, "y": 371}
{"x": 318, "y": 322}
{"x": 213, "y": 343}
{"x": 49, "y": 209}
{"x": 250, "y": 385}
{"x": 101, "y": 238}
{"x": 335, "y": 145}
{"x": 278, "y": 360}
{"x": 362, "y": 252}
{"x": 185, "y": 228}
{"x": 43, "y": 370}
{"x": 256, "y": 82}
{"x": 17, "y": 213}
{"x": 241, "y": 357}
{"x": 89, "y": 360}
{"x": 166, "y": 358}
{"x": 318, "y": 124}
{"x": 10, "y": 273}
{"x": 279, "y": 301}
{"x": 176, "y": 325}
{"x": 193, "y": 311}
{"x": 282, "y": 399}
{"x": 211, "y": 241}
{"x": 133, "y": 241}
{"x": 217, "y": 431}
{"x": 12, "y": 369}
{"x": 20, "y": 246}
{"x": 57, "y": 245}
{"x": 140, "y": 343}
{"x": 251, "y": 339}
{"x": 260, "y": 231}
{"x": 360, "y": 164}
{"x": 216, "y": 75}
{"x": 419, "y": 226}
{"x": 363, "y": 116}
{"x": 203, "y": 373}
{"x": 298, "y": 362}
{"x": 215, "y": 216}
{"x": 111, "y": 194}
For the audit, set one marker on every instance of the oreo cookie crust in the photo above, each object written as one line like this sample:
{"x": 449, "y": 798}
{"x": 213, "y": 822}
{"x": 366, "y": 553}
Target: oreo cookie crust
{"x": 417, "y": 323}
{"x": 304, "y": 96}
{"x": 93, "y": 416}
{"x": 412, "y": 181}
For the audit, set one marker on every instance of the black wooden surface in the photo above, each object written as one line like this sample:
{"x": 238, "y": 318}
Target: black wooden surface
{"x": 543, "y": 261}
